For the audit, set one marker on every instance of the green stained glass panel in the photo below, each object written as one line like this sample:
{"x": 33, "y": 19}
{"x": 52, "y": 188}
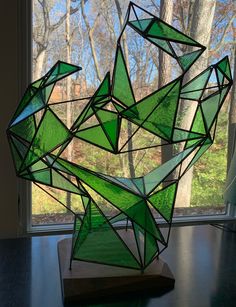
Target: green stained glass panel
{"x": 32, "y": 107}
{"x": 152, "y": 179}
{"x": 162, "y": 118}
{"x": 110, "y": 122}
{"x": 187, "y": 60}
{"x": 141, "y": 215}
{"x": 162, "y": 44}
{"x": 210, "y": 107}
{"x": 161, "y": 30}
{"x": 224, "y": 66}
{"x": 25, "y": 129}
{"x": 181, "y": 135}
{"x": 43, "y": 176}
{"x": 103, "y": 90}
{"x": 38, "y": 83}
{"x": 141, "y": 24}
{"x": 40, "y": 165}
{"x": 121, "y": 85}
{"x": 198, "y": 123}
{"x": 201, "y": 151}
{"x": 22, "y": 149}
{"x": 151, "y": 248}
{"x": 141, "y": 110}
{"x": 196, "y": 86}
{"x": 30, "y": 92}
{"x": 116, "y": 195}
{"x": 163, "y": 201}
{"x": 58, "y": 181}
{"x": 139, "y": 237}
{"x": 59, "y": 71}
{"x": 77, "y": 226}
{"x": 95, "y": 135}
{"x": 103, "y": 244}
{"x": 46, "y": 139}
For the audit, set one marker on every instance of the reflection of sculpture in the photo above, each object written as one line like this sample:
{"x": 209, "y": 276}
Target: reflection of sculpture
{"x": 38, "y": 137}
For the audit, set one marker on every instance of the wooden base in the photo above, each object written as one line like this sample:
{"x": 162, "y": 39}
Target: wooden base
{"x": 87, "y": 282}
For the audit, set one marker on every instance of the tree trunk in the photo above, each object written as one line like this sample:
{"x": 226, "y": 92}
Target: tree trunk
{"x": 201, "y": 22}
{"x": 164, "y": 73}
{"x": 39, "y": 64}
{"x": 91, "y": 40}
{"x": 129, "y": 126}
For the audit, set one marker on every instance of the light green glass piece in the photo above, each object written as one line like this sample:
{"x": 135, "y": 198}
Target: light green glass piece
{"x": 141, "y": 24}
{"x": 51, "y": 133}
{"x": 163, "y": 201}
{"x": 188, "y": 59}
{"x": 194, "y": 88}
{"x": 96, "y": 136}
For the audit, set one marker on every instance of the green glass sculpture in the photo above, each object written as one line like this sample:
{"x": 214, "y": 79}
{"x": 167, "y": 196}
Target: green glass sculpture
{"x": 36, "y": 132}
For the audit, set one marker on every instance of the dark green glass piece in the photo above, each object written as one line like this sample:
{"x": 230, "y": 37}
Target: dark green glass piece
{"x": 151, "y": 248}
{"x": 25, "y": 129}
{"x": 103, "y": 90}
{"x": 161, "y": 30}
{"x": 225, "y": 67}
{"x": 122, "y": 89}
{"x": 110, "y": 124}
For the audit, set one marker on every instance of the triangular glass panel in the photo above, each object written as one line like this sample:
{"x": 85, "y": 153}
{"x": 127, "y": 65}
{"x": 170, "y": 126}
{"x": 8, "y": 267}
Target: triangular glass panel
{"x": 103, "y": 244}
{"x": 45, "y": 139}
{"x": 122, "y": 89}
{"x": 162, "y": 30}
{"x": 96, "y": 136}
{"x": 163, "y": 201}
{"x": 188, "y": 59}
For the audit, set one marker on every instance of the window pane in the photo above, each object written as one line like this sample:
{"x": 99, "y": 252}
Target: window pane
{"x": 87, "y": 37}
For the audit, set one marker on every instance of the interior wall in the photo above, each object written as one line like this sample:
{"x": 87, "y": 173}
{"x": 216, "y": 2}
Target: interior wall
{"x": 12, "y": 66}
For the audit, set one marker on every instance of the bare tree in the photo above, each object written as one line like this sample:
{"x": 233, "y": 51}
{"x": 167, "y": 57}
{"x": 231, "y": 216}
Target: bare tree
{"x": 200, "y": 25}
{"x": 90, "y": 30}
{"x": 164, "y": 74}
{"x": 43, "y": 29}
{"x": 129, "y": 126}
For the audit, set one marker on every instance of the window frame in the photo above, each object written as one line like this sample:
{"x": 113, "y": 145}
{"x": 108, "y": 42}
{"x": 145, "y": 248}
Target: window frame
{"x": 24, "y": 187}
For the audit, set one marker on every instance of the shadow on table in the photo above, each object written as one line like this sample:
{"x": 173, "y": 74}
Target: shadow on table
{"x": 131, "y": 300}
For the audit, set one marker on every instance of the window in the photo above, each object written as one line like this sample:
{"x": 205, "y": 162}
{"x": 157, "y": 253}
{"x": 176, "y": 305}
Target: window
{"x": 84, "y": 33}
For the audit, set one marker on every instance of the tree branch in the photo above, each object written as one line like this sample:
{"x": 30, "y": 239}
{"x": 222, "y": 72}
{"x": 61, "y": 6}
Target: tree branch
{"x": 219, "y": 45}
{"x": 91, "y": 40}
